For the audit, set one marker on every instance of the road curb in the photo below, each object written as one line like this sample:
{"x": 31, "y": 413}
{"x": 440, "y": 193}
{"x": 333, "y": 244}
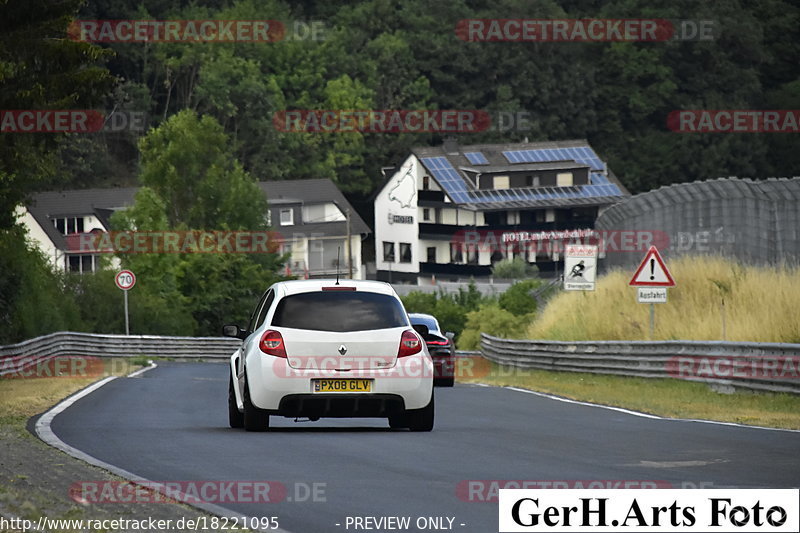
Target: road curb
{"x": 43, "y": 430}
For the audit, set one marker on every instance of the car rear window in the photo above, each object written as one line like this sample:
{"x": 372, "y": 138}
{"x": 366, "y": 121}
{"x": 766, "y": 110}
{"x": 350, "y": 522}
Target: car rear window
{"x": 339, "y": 311}
{"x": 429, "y": 322}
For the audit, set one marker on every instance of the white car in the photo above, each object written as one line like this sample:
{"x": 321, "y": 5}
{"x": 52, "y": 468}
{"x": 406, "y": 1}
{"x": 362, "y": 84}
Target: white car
{"x": 325, "y": 348}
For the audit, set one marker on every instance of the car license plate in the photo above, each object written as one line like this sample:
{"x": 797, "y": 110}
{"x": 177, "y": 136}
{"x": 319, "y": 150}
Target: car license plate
{"x": 342, "y": 385}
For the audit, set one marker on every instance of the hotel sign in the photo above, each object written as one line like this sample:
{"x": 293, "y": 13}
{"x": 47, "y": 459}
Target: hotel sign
{"x": 400, "y": 219}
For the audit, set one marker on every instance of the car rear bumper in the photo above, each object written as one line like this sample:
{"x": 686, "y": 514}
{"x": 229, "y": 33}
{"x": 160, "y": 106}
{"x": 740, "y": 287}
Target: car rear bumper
{"x": 444, "y": 364}
{"x": 278, "y": 388}
{"x": 340, "y": 405}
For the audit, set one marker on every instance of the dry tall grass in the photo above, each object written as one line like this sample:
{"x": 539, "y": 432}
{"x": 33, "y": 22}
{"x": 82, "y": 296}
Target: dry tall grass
{"x": 760, "y": 305}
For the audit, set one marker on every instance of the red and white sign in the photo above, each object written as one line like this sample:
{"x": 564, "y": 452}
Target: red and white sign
{"x": 652, "y": 272}
{"x": 125, "y": 280}
{"x": 580, "y": 267}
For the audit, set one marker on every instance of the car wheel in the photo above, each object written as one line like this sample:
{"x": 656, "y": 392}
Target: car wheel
{"x": 235, "y": 417}
{"x": 421, "y": 419}
{"x": 255, "y": 419}
{"x": 447, "y": 382}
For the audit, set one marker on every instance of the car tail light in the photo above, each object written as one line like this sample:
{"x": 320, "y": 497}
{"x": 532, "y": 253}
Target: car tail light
{"x": 409, "y": 344}
{"x": 438, "y": 343}
{"x": 271, "y": 343}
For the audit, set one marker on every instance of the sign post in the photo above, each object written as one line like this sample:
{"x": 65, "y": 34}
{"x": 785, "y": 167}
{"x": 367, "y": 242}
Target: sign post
{"x": 652, "y": 278}
{"x": 125, "y": 280}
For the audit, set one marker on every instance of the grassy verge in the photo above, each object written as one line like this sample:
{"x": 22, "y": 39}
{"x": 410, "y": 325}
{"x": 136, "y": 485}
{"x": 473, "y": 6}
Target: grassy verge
{"x": 664, "y": 397}
{"x": 715, "y": 298}
{"x": 22, "y": 398}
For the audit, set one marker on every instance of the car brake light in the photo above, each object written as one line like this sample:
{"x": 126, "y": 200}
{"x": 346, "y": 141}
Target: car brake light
{"x": 338, "y": 288}
{"x": 409, "y": 344}
{"x": 438, "y": 343}
{"x": 272, "y": 343}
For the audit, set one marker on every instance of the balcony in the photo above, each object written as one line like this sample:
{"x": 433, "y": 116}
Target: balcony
{"x": 452, "y": 269}
{"x": 438, "y": 231}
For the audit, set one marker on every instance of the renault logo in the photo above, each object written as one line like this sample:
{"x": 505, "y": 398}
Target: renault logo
{"x": 342, "y": 349}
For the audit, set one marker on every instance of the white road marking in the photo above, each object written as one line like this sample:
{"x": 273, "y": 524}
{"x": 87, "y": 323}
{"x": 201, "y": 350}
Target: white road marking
{"x": 637, "y": 413}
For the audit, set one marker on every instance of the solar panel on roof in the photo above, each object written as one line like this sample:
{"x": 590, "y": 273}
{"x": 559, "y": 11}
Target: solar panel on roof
{"x": 454, "y": 185}
{"x": 476, "y": 158}
{"x": 447, "y": 177}
{"x": 581, "y": 154}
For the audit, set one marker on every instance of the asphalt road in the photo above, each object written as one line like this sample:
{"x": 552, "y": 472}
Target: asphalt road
{"x": 170, "y": 424}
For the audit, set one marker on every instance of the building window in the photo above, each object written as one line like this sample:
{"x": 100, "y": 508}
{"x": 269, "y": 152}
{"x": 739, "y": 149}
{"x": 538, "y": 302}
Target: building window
{"x": 326, "y": 254}
{"x": 405, "y": 252}
{"x": 81, "y": 263}
{"x": 426, "y": 183}
{"x": 531, "y": 181}
{"x": 287, "y": 217}
{"x": 426, "y": 214}
{"x": 472, "y": 255}
{"x": 431, "y": 254}
{"x": 388, "y": 252}
{"x": 68, "y": 225}
{"x": 500, "y": 182}
{"x": 564, "y": 179}
{"x": 455, "y": 253}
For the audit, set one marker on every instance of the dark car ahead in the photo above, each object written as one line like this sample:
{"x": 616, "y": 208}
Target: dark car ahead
{"x": 441, "y": 347}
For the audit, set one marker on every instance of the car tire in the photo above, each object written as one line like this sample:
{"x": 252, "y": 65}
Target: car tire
{"x": 255, "y": 419}
{"x": 447, "y": 382}
{"x": 235, "y": 417}
{"x": 421, "y": 419}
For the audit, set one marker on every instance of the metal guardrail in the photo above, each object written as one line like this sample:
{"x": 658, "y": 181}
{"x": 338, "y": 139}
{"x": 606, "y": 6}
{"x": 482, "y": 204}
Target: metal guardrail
{"x": 16, "y": 357}
{"x": 772, "y": 367}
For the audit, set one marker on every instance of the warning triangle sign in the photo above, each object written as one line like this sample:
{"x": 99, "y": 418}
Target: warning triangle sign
{"x": 652, "y": 272}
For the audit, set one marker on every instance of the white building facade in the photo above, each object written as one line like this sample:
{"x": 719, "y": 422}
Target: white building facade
{"x": 451, "y": 212}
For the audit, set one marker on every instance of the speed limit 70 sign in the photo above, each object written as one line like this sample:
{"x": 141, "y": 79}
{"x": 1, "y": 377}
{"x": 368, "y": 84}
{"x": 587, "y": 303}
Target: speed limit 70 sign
{"x": 125, "y": 279}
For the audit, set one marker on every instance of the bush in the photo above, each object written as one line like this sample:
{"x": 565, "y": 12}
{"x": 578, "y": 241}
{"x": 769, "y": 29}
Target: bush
{"x": 494, "y": 320}
{"x": 450, "y": 309}
{"x": 32, "y": 297}
{"x": 151, "y": 311}
{"x": 518, "y": 299}
{"x": 420, "y": 302}
{"x": 515, "y": 268}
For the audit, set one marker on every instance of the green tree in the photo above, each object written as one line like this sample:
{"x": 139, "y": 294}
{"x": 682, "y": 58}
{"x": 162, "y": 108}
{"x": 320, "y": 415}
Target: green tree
{"x": 187, "y": 162}
{"x": 192, "y": 182}
{"x": 40, "y": 68}
{"x": 32, "y": 300}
